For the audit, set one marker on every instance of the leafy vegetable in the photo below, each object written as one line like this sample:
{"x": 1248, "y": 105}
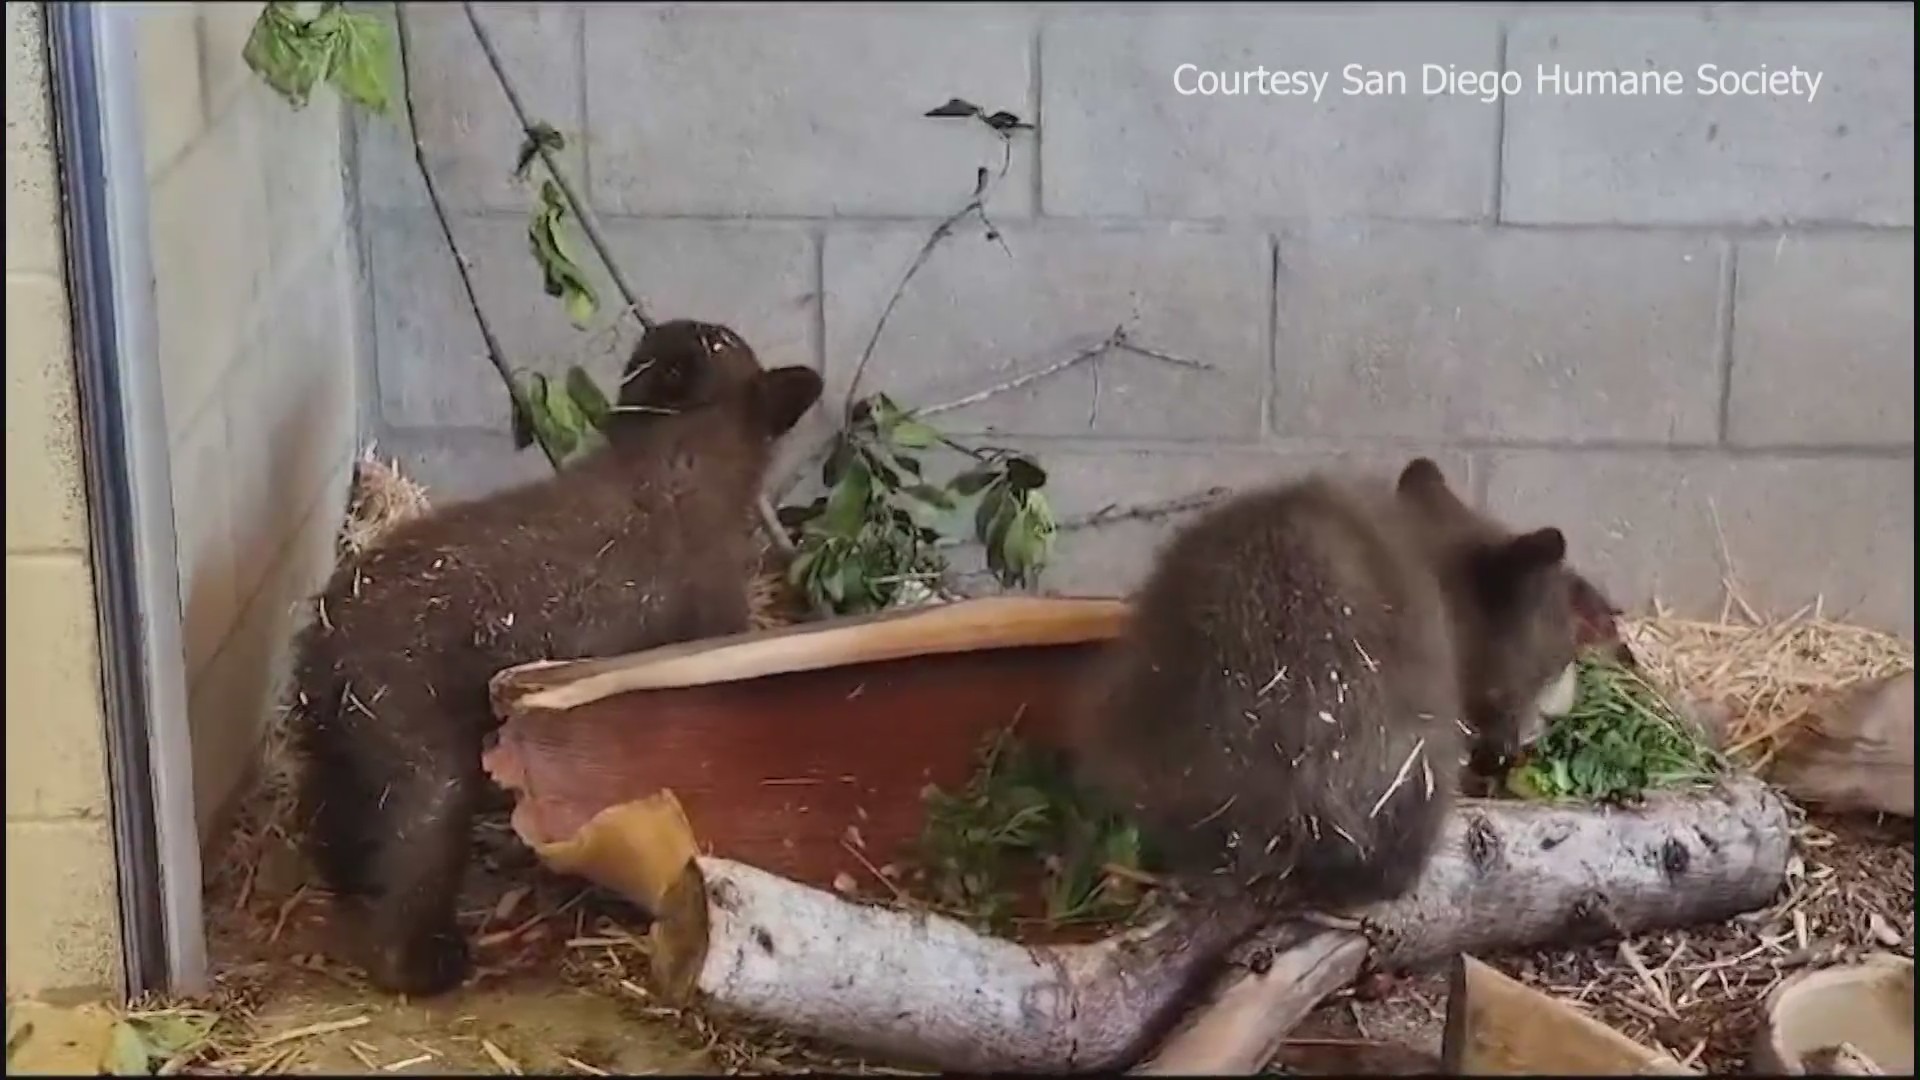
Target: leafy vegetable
{"x": 1020, "y": 818}
{"x": 1620, "y": 740}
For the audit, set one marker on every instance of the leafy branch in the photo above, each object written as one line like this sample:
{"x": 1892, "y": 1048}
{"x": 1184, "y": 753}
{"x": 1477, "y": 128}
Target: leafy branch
{"x": 873, "y": 540}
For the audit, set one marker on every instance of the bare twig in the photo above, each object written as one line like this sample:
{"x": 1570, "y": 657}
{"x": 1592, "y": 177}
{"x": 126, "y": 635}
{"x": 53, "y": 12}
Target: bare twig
{"x": 574, "y": 202}
{"x": 975, "y": 204}
{"x": 1116, "y": 340}
{"x": 769, "y": 520}
{"x": 1153, "y": 511}
{"x": 495, "y": 354}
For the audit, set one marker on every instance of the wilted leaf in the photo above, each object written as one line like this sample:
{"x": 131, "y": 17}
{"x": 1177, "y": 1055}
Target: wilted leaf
{"x": 955, "y": 107}
{"x": 362, "y": 57}
{"x": 1025, "y": 474}
{"x": 588, "y": 396}
{"x": 541, "y": 136}
{"x": 847, "y": 502}
{"x": 281, "y": 51}
{"x": 832, "y": 469}
{"x": 561, "y": 273}
{"x": 127, "y": 1052}
{"x": 930, "y": 495}
{"x": 913, "y": 434}
{"x": 973, "y": 481}
{"x": 1006, "y": 121}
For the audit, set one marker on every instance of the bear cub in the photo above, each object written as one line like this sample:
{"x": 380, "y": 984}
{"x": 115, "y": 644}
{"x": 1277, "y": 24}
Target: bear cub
{"x": 646, "y": 541}
{"x": 1306, "y": 670}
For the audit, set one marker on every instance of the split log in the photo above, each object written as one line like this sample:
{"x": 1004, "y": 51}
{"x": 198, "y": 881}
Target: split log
{"x": 1248, "y": 1017}
{"x": 1497, "y": 1026}
{"x": 1854, "y": 1020}
{"x": 780, "y": 742}
{"x": 929, "y": 990}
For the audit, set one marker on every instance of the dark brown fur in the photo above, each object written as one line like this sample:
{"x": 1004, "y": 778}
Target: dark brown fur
{"x": 646, "y": 542}
{"x": 1292, "y": 651}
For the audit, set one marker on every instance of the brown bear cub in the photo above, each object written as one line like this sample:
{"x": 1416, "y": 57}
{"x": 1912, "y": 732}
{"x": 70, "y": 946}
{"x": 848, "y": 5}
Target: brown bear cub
{"x": 1305, "y": 671}
{"x": 645, "y": 542}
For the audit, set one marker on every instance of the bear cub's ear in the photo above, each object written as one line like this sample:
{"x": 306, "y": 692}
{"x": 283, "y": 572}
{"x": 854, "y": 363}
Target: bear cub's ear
{"x": 781, "y": 396}
{"x": 1503, "y": 566}
{"x": 1423, "y": 485}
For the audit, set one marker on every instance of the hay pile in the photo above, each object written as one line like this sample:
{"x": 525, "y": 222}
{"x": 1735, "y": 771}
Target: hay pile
{"x": 1768, "y": 676}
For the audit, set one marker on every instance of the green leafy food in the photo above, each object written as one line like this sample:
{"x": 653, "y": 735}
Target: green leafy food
{"x": 1023, "y": 824}
{"x": 1620, "y": 740}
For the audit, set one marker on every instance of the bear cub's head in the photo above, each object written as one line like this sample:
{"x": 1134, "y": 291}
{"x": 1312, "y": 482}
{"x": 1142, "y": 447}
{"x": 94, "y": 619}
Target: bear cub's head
{"x": 683, "y": 367}
{"x": 1512, "y": 599}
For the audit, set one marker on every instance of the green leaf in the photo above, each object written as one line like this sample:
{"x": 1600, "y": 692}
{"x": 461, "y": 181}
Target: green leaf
{"x": 561, "y": 273}
{"x": 912, "y": 434}
{"x": 847, "y": 502}
{"x": 557, "y": 437}
{"x": 127, "y": 1052}
{"x": 567, "y": 415}
{"x": 280, "y": 51}
{"x": 991, "y": 500}
{"x": 832, "y": 469}
{"x": 588, "y": 396}
{"x": 1024, "y": 474}
{"x": 930, "y": 495}
{"x": 541, "y": 136}
{"x": 362, "y": 58}
{"x": 973, "y": 481}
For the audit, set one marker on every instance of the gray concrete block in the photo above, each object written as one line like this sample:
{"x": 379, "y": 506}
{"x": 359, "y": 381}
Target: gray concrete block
{"x": 1644, "y": 525}
{"x": 432, "y": 362}
{"x": 1844, "y": 155}
{"x": 471, "y": 136}
{"x": 978, "y": 316}
{"x": 1121, "y": 140}
{"x": 1461, "y": 332}
{"x": 802, "y": 112}
{"x": 1823, "y": 341}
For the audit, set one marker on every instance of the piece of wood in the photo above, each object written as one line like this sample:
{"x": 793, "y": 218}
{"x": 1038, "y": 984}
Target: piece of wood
{"x": 1499, "y": 1027}
{"x": 1866, "y": 1008}
{"x": 922, "y": 988}
{"x": 1000, "y": 622}
{"x": 1246, "y": 1019}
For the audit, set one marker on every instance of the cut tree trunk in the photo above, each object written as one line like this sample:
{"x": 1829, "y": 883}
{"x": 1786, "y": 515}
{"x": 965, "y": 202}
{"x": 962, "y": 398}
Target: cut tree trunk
{"x": 926, "y": 989}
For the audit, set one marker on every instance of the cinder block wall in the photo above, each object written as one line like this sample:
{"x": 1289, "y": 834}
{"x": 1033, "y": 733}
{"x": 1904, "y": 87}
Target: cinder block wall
{"x": 1678, "y": 326}
{"x": 62, "y": 921}
{"x": 258, "y": 293}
